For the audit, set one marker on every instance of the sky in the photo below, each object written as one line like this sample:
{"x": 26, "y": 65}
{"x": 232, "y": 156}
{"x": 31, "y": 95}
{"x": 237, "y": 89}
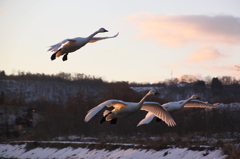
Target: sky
{"x": 157, "y": 39}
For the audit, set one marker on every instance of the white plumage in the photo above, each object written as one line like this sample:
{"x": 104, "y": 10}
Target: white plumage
{"x": 191, "y": 102}
{"x": 123, "y": 109}
{"x": 70, "y": 45}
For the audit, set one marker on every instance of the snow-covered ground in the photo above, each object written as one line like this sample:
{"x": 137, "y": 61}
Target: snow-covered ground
{"x": 19, "y": 151}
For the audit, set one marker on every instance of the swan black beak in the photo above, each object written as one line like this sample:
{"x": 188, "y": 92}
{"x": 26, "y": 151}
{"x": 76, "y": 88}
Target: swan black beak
{"x": 155, "y": 93}
{"x": 198, "y": 98}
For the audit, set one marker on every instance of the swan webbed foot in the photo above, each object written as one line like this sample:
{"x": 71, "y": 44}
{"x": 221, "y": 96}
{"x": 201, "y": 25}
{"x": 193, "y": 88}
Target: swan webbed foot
{"x": 53, "y": 57}
{"x": 113, "y": 121}
{"x": 103, "y": 120}
{"x": 65, "y": 57}
{"x": 158, "y": 120}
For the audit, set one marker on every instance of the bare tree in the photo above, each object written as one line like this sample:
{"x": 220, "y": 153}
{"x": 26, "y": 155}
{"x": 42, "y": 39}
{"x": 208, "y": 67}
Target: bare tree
{"x": 188, "y": 78}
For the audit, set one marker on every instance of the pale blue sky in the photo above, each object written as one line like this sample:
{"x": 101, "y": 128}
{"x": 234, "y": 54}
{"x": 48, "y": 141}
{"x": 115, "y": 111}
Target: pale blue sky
{"x": 155, "y": 38}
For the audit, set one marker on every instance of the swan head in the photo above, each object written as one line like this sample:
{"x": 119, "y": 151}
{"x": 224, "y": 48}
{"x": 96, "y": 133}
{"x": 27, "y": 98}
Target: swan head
{"x": 195, "y": 97}
{"x": 102, "y": 30}
{"x": 152, "y": 92}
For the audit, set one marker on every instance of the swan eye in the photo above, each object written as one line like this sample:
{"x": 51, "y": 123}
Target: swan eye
{"x": 103, "y": 30}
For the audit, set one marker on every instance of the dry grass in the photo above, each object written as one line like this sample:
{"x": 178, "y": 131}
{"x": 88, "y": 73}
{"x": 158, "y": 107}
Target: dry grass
{"x": 232, "y": 150}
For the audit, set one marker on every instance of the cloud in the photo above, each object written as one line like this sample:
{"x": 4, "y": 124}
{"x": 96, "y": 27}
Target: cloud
{"x": 204, "y": 54}
{"x": 187, "y": 29}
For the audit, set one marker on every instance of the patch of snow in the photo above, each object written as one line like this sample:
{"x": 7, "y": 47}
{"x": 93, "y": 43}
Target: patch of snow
{"x": 73, "y": 137}
{"x": 154, "y": 138}
{"x": 142, "y": 89}
{"x": 19, "y": 151}
{"x": 89, "y": 138}
{"x": 60, "y": 138}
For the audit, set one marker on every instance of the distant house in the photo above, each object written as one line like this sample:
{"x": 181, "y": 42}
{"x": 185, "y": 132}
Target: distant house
{"x": 15, "y": 118}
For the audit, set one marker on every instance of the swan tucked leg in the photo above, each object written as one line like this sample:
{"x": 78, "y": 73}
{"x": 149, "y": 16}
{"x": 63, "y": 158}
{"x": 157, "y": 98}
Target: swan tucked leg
{"x": 107, "y": 116}
{"x": 53, "y": 57}
{"x": 65, "y": 57}
{"x": 104, "y": 118}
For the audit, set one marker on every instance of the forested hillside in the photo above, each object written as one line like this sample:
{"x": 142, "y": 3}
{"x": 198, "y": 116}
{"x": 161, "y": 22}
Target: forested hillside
{"x": 64, "y": 99}
{"x": 26, "y": 87}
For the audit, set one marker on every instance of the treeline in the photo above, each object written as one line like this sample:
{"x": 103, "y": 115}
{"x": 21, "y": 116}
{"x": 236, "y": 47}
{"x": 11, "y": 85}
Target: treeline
{"x": 62, "y": 76}
{"x": 224, "y": 80}
{"x": 22, "y": 87}
{"x": 223, "y": 89}
{"x": 64, "y": 99}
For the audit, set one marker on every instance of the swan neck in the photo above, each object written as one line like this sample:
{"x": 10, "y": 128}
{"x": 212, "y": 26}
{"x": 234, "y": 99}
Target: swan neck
{"x": 185, "y": 102}
{"x": 143, "y": 99}
{"x": 92, "y": 35}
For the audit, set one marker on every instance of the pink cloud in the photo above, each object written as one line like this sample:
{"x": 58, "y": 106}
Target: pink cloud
{"x": 204, "y": 54}
{"x": 186, "y": 29}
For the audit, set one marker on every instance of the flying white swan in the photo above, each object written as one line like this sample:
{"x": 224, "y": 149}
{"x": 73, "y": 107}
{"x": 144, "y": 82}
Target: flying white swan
{"x": 191, "y": 102}
{"x": 70, "y": 45}
{"x": 123, "y": 109}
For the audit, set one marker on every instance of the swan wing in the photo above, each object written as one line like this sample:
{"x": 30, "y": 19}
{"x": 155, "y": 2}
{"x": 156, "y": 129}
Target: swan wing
{"x": 156, "y": 109}
{"x": 94, "y": 39}
{"x": 92, "y": 112}
{"x": 68, "y": 44}
{"x": 55, "y": 47}
{"x": 198, "y": 104}
{"x": 148, "y": 118}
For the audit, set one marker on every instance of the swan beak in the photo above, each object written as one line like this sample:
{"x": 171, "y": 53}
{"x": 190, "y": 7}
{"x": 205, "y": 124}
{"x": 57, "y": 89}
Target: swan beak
{"x": 105, "y": 30}
{"x": 155, "y": 93}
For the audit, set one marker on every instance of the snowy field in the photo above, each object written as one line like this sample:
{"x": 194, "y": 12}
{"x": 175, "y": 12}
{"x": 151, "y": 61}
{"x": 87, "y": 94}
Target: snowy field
{"x": 21, "y": 151}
